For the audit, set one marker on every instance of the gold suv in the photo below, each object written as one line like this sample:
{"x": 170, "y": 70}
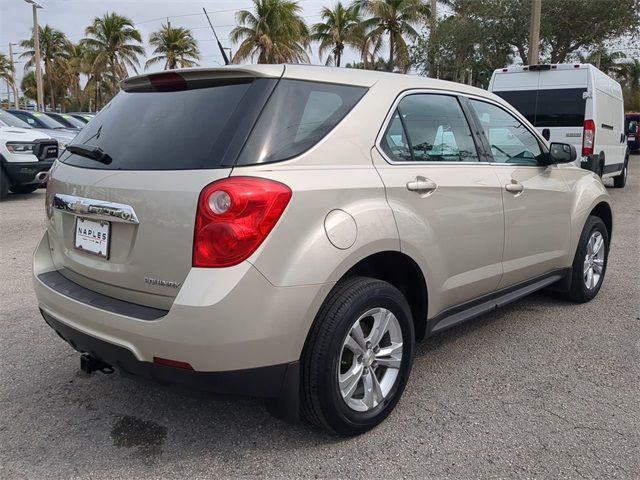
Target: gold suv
{"x": 290, "y": 232}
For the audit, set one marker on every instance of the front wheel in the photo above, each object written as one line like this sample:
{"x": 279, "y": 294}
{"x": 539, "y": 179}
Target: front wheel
{"x": 358, "y": 356}
{"x": 590, "y": 262}
{"x": 621, "y": 180}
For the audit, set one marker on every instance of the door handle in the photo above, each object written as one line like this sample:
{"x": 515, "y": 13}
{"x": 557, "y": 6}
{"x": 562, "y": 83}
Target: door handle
{"x": 514, "y": 187}
{"x": 421, "y": 185}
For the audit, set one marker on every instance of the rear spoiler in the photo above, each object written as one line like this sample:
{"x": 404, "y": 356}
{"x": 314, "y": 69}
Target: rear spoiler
{"x": 167, "y": 79}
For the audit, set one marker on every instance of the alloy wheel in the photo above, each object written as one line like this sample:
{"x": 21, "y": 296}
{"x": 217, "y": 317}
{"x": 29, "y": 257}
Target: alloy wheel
{"x": 370, "y": 359}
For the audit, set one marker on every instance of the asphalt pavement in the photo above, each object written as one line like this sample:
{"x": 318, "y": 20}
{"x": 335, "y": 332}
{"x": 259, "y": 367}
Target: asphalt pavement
{"x": 540, "y": 389}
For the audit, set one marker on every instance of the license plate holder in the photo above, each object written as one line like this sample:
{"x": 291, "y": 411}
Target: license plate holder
{"x": 92, "y": 236}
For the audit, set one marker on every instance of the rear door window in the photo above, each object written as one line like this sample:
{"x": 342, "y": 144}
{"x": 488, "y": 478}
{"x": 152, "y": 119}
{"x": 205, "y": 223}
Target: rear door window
{"x": 429, "y": 128}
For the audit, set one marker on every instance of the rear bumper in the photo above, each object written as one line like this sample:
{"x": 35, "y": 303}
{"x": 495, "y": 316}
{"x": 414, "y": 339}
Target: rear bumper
{"x": 265, "y": 382}
{"x": 222, "y": 320}
{"x": 25, "y": 172}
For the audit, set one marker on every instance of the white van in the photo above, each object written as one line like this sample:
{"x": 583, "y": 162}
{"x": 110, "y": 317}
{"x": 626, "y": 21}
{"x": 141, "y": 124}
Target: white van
{"x": 571, "y": 103}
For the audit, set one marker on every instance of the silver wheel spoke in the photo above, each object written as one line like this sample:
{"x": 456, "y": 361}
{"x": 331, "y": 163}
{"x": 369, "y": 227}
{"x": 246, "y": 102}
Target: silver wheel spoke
{"x": 349, "y": 381}
{"x": 597, "y": 265}
{"x": 358, "y": 335}
{"x": 597, "y": 244}
{"x": 372, "y": 392}
{"x": 586, "y": 268}
{"x": 380, "y": 326}
{"x": 390, "y": 356}
{"x": 590, "y": 278}
{"x": 353, "y": 345}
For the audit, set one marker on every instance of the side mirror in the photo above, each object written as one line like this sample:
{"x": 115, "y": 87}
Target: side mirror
{"x": 546, "y": 134}
{"x": 562, "y": 153}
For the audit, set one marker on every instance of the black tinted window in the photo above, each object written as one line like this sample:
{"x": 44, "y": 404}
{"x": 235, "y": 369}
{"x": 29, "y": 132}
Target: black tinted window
{"x": 429, "y": 128}
{"x": 167, "y": 130}
{"x": 297, "y": 116}
{"x": 549, "y": 108}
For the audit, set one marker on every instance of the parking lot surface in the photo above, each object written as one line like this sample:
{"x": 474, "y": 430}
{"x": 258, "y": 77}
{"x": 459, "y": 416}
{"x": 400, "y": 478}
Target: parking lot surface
{"x": 542, "y": 388}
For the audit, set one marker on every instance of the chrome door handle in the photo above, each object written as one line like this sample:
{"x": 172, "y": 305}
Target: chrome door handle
{"x": 421, "y": 185}
{"x": 514, "y": 187}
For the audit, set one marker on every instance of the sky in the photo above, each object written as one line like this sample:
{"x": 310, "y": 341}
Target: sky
{"x": 72, "y": 16}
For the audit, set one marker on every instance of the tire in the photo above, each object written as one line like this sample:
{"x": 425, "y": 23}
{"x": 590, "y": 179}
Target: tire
{"x": 4, "y": 184}
{"x": 621, "y": 180}
{"x": 326, "y": 356}
{"x": 580, "y": 291}
{"x": 21, "y": 189}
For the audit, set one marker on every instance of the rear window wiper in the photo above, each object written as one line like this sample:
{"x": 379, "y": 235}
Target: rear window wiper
{"x": 94, "y": 153}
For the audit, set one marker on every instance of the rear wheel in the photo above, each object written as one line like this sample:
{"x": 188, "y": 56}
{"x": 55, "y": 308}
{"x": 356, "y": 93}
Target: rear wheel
{"x": 621, "y": 180}
{"x": 590, "y": 262}
{"x": 24, "y": 188}
{"x": 358, "y": 357}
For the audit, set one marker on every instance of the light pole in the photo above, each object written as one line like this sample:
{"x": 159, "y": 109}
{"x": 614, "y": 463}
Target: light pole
{"x": 534, "y": 33}
{"x": 36, "y": 40}
{"x": 13, "y": 75}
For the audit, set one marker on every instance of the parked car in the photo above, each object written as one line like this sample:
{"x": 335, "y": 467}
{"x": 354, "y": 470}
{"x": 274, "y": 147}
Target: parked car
{"x": 25, "y": 158}
{"x": 37, "y": 122}
{"x": 84, "y": 117}
{"x": 575, "y": 103}
{"x": 297, "y": 240}
{"x": 632, "y": 129}
{"x": 67, "y": 120}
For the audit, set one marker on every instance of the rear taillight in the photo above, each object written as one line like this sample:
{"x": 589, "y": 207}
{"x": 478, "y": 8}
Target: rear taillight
{"x": 588, "y": 138}
{"x": 234, "y": 217}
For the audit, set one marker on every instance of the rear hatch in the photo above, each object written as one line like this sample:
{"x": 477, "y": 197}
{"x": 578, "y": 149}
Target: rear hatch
{"x": 123, "y": 198}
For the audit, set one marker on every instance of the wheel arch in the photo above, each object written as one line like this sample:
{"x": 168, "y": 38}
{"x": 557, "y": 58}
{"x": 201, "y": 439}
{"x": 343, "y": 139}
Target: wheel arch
{"x": 604, "y": 212}
{"x": 401, "y": 271}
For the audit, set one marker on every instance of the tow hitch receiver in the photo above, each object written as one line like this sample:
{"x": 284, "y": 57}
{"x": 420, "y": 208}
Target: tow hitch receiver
{"x": 89, "y": 364}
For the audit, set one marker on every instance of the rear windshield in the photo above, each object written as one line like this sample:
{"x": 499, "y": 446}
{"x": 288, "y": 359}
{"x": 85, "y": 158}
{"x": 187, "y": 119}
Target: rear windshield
{"x": 213, "y": 126}
{"x": 161, "y": 130}
{"x": 562, "y": 107}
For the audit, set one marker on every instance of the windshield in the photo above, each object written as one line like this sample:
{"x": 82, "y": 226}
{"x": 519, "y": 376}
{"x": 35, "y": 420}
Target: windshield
{"x": 11, "y": 121}
{"x": 37, "y": 119}
{"x": 66, "y": 120}
{"x": 563, "y": 107}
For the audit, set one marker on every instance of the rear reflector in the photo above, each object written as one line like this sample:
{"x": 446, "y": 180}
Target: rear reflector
{"x": 588, "y": 138}
{"x": 172, "y": 363}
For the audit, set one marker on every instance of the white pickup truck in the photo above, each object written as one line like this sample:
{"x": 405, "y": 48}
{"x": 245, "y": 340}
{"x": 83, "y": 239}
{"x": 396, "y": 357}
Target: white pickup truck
{"x": 25, "y": 158}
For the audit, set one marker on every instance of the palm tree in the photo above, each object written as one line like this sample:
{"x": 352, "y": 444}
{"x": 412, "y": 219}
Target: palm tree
{"x": 335, "y": 30}
{"x": 274, "y": 33}
{"x": 395, "y": 18}
{"x": 116, "y": 47}
{"x": 6, "y": 71}
{"x": 52, "y": 49}
{"x": 176, "y": 47}
{"x": 630, "y": 74}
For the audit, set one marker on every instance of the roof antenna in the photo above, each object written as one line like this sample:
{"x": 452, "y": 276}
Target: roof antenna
{"x": 224, "y": 54}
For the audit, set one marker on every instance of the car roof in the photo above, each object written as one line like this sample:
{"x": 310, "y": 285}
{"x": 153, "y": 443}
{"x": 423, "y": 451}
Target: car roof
{"x": 348, "y": 76}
